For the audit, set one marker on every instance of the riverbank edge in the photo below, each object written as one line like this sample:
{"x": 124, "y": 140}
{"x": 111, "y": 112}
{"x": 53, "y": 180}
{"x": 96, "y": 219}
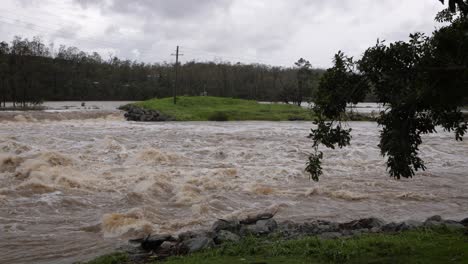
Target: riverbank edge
{"x": 261, "y": 230}
{"x": 137, "y": 112}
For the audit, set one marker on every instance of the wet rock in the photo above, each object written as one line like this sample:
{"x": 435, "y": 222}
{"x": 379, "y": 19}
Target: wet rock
{"x": 228, "y": 225}
{"x": 435, "y": 218}
{"x": 325, "y": 226}
{"x": 413, "y": 224}
{"x": 464, "y": 222}
{"x": 196, "y": 234}
{"x": 155, "y": 241}
{"x": 367, "y": 223}
{"x": 135, "y": 113}
{"x": 270, "y": 225}
{"x": 453, "y": 224}
{"x": 224, "y": 236}
{"x": 196, "y": 244}
{"x": 395, "y": 227}
{"x": 433, "y": 221}
{"x": 252, "y": 219}
{"x": 261, "y": 227}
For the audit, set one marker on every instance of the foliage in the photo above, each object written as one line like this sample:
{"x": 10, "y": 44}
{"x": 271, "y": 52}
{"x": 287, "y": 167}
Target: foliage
{"x": 204, "y": 108}
{"x": 422, "y": 82}
{"x": 419, "y": 246}
{"x": 305, "y": 85}
{"x": 31, "y": 71}
{"x": 338, "y": 87}
{"x": 460, "y": 5}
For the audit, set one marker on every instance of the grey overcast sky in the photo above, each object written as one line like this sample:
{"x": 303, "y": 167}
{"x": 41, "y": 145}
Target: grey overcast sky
{"x": 276, "y": 32}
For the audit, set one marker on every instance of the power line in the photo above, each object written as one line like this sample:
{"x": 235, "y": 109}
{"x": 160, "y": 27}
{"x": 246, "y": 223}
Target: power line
{"x": 177, "y": 54}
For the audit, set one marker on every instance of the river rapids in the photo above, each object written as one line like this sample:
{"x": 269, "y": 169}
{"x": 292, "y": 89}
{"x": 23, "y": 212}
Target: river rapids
{"x": 74, "y": 189}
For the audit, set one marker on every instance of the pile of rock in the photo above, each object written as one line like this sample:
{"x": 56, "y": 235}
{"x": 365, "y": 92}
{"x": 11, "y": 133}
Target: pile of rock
{"x": 135, "y": 113}
{"x": 232, "y": 231}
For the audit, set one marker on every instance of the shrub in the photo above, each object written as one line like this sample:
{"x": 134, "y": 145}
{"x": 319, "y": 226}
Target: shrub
{"x": 218, "y": 116}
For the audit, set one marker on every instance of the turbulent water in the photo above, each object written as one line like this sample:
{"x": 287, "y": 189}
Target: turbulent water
{"x": 71, "y": 190}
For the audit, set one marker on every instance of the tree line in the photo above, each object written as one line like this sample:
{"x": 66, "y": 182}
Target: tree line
{"x": 32, "y": 72}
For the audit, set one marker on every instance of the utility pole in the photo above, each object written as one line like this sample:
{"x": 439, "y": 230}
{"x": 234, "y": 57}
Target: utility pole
{"x": 176, "y": 72}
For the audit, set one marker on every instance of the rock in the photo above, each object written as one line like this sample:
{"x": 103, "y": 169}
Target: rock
{"x": 330, "y": 235}
{"x": 450, "y": 224}
{"x": 221, "y": 224}
{"x": 413, "y": 224}
{"x": 135, "y": 113}
{"x": 262, "y": 227}
{"x": 252, "y": 219}
{"x": 269, "y": 224}
{"x": 195, "y": 234}
{"x": 433, "y": 221}
{"x": 367, "y": 223}
{"x": 464, "y": 222}
{"x": 153, "y": 242}
{"x": 395, "y": 227}
{"x": 435, "y": 218}
{"x": 196, "y": 244}
{"x": 224, "y": 236}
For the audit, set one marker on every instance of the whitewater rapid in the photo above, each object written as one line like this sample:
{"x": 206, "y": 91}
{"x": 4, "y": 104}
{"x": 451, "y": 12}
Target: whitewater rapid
{"x": 74, "y": 189}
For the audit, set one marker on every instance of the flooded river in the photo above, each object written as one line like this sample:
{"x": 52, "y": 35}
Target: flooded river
{"x": 74, "y": 189}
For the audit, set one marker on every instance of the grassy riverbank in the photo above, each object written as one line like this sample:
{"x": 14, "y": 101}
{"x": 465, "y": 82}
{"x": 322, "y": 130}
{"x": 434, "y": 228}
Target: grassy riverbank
{"x": 418, "y": 246}
{"x": 207, "y": 108}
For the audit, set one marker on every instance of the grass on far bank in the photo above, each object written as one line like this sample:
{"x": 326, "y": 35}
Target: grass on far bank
{"x": 207, "y": 108}
{"x": 418, "y": 246}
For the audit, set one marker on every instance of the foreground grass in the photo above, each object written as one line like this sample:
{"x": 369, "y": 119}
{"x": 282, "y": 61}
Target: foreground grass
{"x": 418, "y": 246}
{"x": 206, "y": 108}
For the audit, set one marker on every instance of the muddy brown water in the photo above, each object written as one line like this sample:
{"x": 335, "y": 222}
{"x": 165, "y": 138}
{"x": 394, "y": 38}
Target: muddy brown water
{"x": 74, "y": 189}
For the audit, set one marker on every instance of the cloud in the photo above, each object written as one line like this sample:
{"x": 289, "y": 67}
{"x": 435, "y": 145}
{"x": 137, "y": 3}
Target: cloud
{"x": 174, "y": 9}
{"x": 268, "y": 31}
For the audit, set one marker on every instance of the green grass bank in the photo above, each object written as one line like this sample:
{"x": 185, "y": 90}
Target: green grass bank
{"x": 441, "y": 245}
{"x": 207, "y": 108}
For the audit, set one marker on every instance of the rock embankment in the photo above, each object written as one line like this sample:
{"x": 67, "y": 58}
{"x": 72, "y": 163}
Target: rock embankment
{"x": 232, "y": 231}
{"x": 135, "y": 113}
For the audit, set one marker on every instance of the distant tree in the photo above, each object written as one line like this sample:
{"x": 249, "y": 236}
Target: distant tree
{"x": 421, "y": 82}
{"x": 301, "y": 88}
{"x": 31, "y": 72}
{"x": 304, "y": 74}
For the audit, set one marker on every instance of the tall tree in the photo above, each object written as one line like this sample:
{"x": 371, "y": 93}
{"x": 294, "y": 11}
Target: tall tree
{"x": 422, "y": 83}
